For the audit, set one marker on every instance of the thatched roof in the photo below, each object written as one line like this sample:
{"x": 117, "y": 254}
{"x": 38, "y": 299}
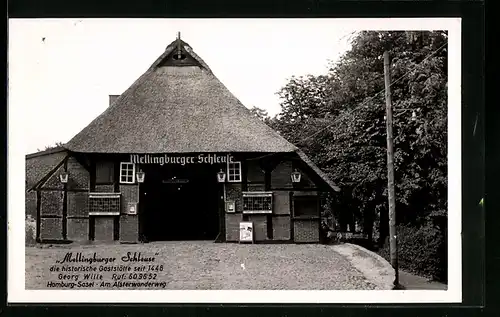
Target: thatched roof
{"x": 177, "y": 109}
{"x": 38, "y": 165}
{"x": 317, "y": 170}
{"x": 180, "y": 107}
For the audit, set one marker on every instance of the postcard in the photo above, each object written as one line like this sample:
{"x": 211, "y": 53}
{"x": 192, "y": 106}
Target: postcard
{"x": 234, "y": 161}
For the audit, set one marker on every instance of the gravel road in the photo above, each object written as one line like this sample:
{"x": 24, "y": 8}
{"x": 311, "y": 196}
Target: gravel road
{"x": 202, "y": 265}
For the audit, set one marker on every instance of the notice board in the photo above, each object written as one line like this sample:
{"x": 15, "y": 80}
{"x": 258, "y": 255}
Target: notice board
{"x": 246, "y": 232}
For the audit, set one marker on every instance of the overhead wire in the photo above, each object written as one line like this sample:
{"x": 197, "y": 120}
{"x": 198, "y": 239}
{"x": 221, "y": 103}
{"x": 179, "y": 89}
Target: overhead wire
{"x": 378, "y": 93}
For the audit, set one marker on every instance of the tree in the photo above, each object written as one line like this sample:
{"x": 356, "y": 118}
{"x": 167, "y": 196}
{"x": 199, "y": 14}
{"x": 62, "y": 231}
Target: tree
{"x": 259, "y": 113}
{"x": 51, "y": 147}
{"x": 338, "y": 119}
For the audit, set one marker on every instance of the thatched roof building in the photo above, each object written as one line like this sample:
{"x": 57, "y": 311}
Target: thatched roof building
{"x": 242, "y": 170}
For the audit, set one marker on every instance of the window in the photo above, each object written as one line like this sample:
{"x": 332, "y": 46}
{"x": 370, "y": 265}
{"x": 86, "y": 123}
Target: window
{"x": 306, "y": 206}
{"x": 234, "y": 171}
{"x": 257, "y": 202}
{"x": 127, "y": 173}
{"x": 101, "y": 204}
{"x": 104, "y": 172}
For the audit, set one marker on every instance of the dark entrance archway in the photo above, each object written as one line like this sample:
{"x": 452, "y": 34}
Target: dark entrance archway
{"x": 179, "y": 202}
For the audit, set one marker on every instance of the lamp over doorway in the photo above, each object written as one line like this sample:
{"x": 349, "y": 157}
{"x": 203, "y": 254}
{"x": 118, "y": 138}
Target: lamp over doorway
{"x": 296, "y": 176}
{"x": 221, "y": 176}
{"x": 140, "y": 176}
{"x": 64, "y": 178}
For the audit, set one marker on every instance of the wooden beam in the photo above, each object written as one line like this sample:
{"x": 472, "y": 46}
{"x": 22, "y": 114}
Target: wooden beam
{"x": 38, "y": 215}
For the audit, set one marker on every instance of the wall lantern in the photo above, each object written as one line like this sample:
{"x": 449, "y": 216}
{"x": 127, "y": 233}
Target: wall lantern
{"x": 221, "y": 176}
{"x": 140, "y": 176}
{"x": 64, "y": 178}
{"x": 296, "y": 176}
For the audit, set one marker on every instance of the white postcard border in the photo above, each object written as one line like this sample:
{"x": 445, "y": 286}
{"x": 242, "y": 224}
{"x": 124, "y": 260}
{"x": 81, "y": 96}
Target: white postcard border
{"x": 16, "y": 206}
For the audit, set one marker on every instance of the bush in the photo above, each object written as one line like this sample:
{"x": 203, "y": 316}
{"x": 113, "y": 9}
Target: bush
{"x": 30, "y": 231}
{"x": 422, "y": 251}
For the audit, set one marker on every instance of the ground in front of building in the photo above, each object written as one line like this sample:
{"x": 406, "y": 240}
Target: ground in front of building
{"x": 196, "y": 265}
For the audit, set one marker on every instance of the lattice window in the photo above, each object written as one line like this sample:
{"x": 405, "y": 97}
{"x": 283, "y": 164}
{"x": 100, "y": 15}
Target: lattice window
{"x": 257, "y": 202}
{"x": 104, "y": 204}
{"x": 234, "y": 172}
{"x": 127, "y": 173}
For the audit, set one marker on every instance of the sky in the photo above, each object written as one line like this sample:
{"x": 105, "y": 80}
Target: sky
{"x": 61, "y": 71}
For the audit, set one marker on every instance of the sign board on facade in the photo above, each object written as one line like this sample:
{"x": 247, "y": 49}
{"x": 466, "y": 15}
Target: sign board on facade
{"x": 246, "y": 232}
{"x": 162, "y": 159}
{"x": 230, "y": 206}
{"x": 132, "y": 209}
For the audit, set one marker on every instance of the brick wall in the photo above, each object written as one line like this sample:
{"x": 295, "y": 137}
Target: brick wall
{"x": 282, "y": 186}
{"x": 281, "y": 202}
{"x": 78, "y": 204}
{"x": 234, "y": 192}
{"x": 255, "y": 177}
{"x": 51, "y": 219}
{"x": 79, "y": 177}
{"x": 259, "y": 226}
{"x": 104, "y": 228}
{"x": 39, "y": 165}
{"x": 256, "y": 187}
{"x": 129, "y": 224}
{"x": 51, "y": 229}
{"x": 77, "y": 201}
{"x": 78, "y": 229}
{"x": 104, "y": 188}
{"x": 54, "y": 181}
{"x": 52, "y": 203}
{"x": 129, "y": 228}
{"x": 281, "y": 228}
{"x": 233, "y": 227}
{"x": 78, "y": 216}
{"x": 306, "y": 230}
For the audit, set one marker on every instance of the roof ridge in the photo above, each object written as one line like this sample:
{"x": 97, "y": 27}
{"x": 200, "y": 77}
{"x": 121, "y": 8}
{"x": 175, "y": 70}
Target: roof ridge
{"x": 167, "y": 112}
{"x": 169, "y": 50}
{"x": 46, "y": 152}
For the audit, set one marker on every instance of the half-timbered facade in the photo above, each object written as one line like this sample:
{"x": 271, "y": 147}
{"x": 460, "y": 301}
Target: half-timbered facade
{"x": 175, "y": 157}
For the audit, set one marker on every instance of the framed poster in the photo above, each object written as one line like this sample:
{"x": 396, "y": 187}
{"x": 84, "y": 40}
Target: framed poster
{"x": 246, "y": 232}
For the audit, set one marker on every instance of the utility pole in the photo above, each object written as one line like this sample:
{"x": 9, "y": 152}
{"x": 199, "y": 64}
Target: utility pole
{"x": 390, "y": 171}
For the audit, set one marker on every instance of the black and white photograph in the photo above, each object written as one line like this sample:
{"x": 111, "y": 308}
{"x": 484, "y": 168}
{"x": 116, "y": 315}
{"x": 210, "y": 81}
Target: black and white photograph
{"x": 234, "y": 160}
